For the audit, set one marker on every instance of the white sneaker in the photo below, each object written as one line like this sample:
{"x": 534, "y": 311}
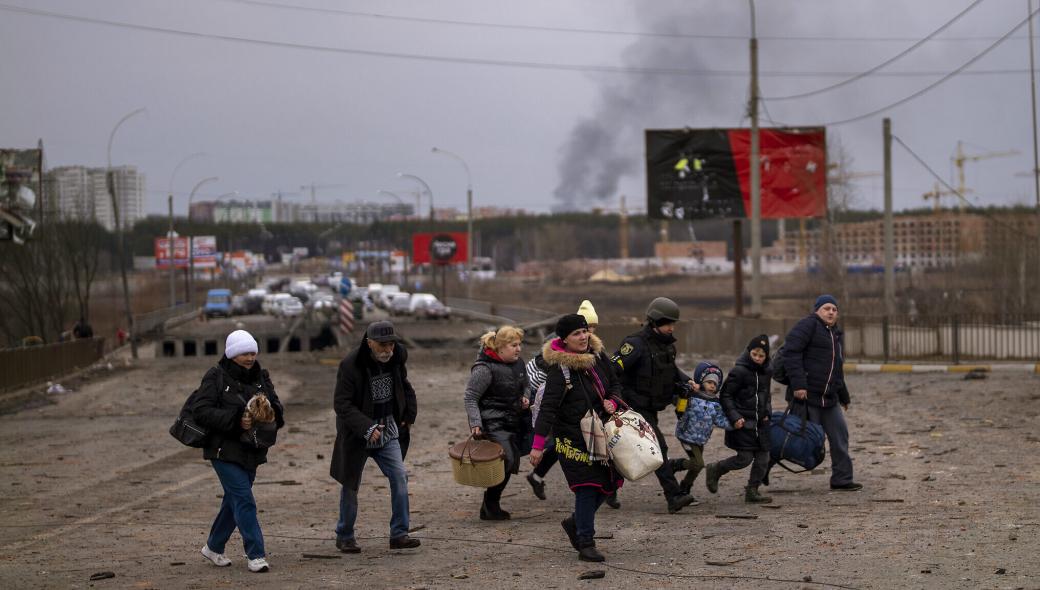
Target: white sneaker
{"x": 218, "y": 559}
{"x": 258, "y": 565}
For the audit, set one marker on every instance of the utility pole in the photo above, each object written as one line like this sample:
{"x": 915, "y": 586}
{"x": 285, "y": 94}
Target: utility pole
{"x": 889, "y": 233}
{"x": 623, "y": 229}
{"x": 1036, "y": 158}
{"x": 756, "y": 182}
{"x": 173, "y": 271}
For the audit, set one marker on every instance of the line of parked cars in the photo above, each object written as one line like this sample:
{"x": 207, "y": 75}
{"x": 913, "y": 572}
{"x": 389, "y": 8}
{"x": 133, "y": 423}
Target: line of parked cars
{"x": 400, "y": 303}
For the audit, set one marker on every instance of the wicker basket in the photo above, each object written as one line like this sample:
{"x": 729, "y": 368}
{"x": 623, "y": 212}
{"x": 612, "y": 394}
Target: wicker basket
{"x": 478, "y": 463}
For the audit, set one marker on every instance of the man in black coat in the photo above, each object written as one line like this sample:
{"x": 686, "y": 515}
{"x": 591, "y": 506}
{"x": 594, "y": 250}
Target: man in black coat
{"x": 650, "y": 380}
{"x": 814, "y": 362}
{"x": 375, "y": 407}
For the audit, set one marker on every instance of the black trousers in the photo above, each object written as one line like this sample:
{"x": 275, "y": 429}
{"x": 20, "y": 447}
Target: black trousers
{"x": 664, "y": 474}
{"x": 759, "y": 461}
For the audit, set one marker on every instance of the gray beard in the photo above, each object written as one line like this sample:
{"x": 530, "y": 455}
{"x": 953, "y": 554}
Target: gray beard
{"x": 381, "y": 357}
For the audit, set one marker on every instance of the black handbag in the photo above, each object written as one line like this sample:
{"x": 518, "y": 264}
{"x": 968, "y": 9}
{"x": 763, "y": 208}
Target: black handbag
{"x": 185, "y": 429}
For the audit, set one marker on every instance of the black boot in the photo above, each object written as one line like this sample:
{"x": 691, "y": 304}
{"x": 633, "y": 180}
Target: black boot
{"x": 538, "y": 487}
{"x": 587, "y": 552}
{"x": 492, "y": 512}
{"x": 571, "y": 529}
{"x": 612, "y": 501}
{"x": 711, "y": 478}
{"x": 752, "y": 496}
{"x": 678, "y": 465}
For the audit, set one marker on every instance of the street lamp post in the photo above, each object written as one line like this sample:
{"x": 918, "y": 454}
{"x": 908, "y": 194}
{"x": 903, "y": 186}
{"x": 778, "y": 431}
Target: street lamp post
{"x": 173, "y": 271}
{"x": 119, "y": 232}
{"x": 191, "y": 239}
{"x": 425, "y": 186}
{"x": 469, "y": 219}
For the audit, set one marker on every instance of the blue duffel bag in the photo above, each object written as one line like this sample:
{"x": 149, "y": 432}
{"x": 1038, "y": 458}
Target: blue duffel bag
{"x": 794, "y": 439}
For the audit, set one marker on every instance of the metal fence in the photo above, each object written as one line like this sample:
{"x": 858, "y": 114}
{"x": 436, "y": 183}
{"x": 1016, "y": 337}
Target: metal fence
{"x": 23, "y": 366}
{"x": 949, "y": 338}
{"x": 952, "y": 338}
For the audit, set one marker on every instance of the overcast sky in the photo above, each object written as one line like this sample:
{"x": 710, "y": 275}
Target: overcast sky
{"x": 377, "y": 93}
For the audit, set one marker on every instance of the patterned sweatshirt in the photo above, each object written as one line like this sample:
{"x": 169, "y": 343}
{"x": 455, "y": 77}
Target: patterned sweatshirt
{"x": 694, "y": 426}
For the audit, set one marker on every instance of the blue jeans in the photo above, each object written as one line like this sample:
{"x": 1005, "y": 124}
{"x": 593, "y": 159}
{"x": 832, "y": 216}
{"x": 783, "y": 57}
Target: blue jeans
{"x": 238, "y": 508}
{"x": 390, "y": 463}
{"x": 833, "y": 421}
{"x": 587, "y": 500}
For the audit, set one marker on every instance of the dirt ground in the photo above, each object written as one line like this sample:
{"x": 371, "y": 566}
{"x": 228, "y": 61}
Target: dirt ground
{"x": 91, "y": 482}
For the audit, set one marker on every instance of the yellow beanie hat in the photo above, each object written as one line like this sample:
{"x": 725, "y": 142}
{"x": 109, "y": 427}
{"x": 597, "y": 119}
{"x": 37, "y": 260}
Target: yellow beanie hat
{"x": 588, "y": 311}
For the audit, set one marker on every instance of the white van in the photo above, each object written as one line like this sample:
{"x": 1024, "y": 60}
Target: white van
{"x": 420, "y": 299}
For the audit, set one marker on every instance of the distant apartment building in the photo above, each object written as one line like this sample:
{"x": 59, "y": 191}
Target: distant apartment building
{"x": 920, "y": 241}
{"x": 81, "y": 193}
{"x": 358, "y": 212}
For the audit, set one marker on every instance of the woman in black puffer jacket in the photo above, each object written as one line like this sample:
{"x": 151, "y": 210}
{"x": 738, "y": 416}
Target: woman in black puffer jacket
{"x": 220, "y": 408}
{"x": 746, "y": 400}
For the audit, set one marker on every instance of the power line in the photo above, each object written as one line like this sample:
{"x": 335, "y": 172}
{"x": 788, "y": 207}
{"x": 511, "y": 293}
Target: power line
{"x": 465, "y": 60}
{"x": 615, "y": 32}
{"x": 883, "y": 64}
{"x": 960, "y": 196}
{"x": 938, "y": 82}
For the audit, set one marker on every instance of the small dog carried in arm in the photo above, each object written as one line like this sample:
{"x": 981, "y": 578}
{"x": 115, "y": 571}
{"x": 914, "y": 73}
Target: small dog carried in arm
{"x": 264, "y": 431}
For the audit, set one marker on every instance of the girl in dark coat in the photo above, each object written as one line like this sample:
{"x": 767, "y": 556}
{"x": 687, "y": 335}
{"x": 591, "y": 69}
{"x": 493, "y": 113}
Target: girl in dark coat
{"x": 588, "y": 385}
{"x": 220, "y": 407}
{"x": 746, "y": 401}
{"x": 496, "y": 406}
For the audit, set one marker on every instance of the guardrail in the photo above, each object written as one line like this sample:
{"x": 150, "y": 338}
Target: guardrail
{"x": 500, "y": 313}
{"x": 154, "y": 320}
{"x": 24, "y": 366}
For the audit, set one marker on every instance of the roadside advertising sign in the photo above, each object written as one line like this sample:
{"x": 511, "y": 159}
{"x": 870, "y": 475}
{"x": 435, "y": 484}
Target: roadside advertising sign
{"x": 204, "y": 251}
{"x": 439, "y": 248}
{"x": 703, "y": 173}
{"x": 180, "y": 252}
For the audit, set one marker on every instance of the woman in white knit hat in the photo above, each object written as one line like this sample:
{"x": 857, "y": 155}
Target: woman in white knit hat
{"x": 220, "y": 408}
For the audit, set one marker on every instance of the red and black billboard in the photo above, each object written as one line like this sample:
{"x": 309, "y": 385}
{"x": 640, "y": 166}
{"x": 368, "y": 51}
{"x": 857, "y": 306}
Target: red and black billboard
{"x": 439, "y": 248}
{"x": 700, "y": 173}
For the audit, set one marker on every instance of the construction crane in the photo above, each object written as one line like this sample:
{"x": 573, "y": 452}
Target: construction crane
{"x": 936, "y": 194}
{"x": 959, "y": 158}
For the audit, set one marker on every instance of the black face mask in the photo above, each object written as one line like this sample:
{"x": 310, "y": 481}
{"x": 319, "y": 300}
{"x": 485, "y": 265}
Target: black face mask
{"x": 664, "y": 338}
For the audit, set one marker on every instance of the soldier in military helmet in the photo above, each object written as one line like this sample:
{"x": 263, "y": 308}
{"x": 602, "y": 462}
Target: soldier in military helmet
{"x": 650, "y": 380}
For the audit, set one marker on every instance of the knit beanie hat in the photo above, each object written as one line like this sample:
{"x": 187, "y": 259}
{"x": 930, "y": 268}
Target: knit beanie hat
{"x": 707, "y": 371}
{"x": 760, "y": 341}
{"x": 824, "y": 300}
{"x": 589, "y": 312}
{"x": 569, "y": 323}
{"x": 239, "y": 342}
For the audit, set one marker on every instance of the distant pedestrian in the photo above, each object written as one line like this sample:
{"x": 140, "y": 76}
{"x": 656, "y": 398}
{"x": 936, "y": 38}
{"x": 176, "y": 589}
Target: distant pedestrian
{"x": 746, "y": 400}
{"x": 496, "y": 406}
{"x": 82, "y": 329}
{"x": 223, "y": 413}
{"x": 375, "y": 407}
{"x": 814, "y": 360}
{"x": 580, "y": 387}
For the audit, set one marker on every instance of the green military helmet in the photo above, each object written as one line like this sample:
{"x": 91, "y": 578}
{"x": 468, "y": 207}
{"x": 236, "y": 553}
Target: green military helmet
{"x": 663, "y": 308}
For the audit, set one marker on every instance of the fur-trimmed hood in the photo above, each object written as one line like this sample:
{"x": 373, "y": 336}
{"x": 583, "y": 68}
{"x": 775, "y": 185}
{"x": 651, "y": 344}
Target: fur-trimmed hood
{"x": 553, "y": 354}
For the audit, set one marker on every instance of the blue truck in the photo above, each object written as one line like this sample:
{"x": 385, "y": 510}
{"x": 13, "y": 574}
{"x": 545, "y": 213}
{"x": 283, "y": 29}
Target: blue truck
{"x": 218, "y": 303}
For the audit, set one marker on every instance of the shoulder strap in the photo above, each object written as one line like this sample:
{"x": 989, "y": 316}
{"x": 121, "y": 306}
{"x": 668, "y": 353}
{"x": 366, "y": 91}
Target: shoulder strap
{"x": 566, "y": 375}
